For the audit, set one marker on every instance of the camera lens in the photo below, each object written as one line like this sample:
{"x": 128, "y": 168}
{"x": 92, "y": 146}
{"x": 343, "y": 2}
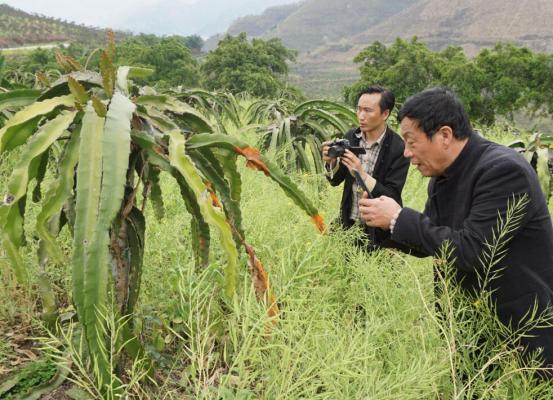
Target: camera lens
{"x": 335, "y": 151}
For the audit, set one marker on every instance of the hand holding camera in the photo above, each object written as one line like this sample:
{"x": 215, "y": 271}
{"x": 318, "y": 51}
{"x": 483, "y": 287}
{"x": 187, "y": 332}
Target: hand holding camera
{"x": 338, "y": 148}
{"x": 326, "y": 158}
{"x": 352, "y": 162}
{"x": 341, "y": 148}
{"x": 348, "y": 154}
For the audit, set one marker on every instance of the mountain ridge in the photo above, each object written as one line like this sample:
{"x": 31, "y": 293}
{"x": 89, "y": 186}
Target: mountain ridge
{"x": 330, "y": 33}
{"x": 469, "y": 23}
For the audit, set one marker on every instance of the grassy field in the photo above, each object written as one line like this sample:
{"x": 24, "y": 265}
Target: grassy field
{"x": 17, "y": 51}
{"x": 351, "y": 326}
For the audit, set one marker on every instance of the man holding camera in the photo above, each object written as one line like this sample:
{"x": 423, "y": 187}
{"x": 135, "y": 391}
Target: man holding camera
{"x": 381, "y": 165}
{"x": 474, "y": 181}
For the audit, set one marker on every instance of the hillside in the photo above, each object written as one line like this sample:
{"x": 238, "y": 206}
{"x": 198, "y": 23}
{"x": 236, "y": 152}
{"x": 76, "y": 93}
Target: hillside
{"x": 315, "y": 23}
{"x": 18, "y": 28}
{"x": 257, "y": 25}
{"x": 329, "y": 33}
{"x": 472, "y": 24}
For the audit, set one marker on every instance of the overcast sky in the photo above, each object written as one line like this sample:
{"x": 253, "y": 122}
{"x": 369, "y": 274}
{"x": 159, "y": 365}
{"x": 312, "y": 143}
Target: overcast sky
{"x": 100, "y": 13}
{"x": 162, "y": 17}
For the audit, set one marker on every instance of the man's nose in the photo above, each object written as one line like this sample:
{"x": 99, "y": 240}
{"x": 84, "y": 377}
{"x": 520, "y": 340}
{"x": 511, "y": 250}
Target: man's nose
{"x": 407, "y": 153}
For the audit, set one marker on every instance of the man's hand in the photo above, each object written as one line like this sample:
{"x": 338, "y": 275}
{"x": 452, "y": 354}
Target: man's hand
{"x": 377, "y": 212}
{"x": 330, "y": 161}
{"x": 353, "y": 163}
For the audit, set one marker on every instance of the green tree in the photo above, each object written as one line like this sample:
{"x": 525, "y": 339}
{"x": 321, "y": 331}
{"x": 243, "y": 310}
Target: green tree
{"x": 40, "y": 57}
{"x": 508, "y": 73}
{"x": 467, "y": 79}
{"x": 406, "y": 67}
{"x": 194, "y": 43}
{"x": 541, "y": 95}
{"x": 170, "y": 58}
{"x": 238, "y": 65}
{"x": 515, "y": 78}
{"x": 497, "y": 81}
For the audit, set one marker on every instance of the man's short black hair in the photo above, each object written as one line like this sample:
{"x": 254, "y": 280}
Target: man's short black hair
{"x": 387, "y": 100}
{"x": 434, "y": 108}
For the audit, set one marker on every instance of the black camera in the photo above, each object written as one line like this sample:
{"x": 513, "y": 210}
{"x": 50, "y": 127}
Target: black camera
{"x": 339, "y": 147}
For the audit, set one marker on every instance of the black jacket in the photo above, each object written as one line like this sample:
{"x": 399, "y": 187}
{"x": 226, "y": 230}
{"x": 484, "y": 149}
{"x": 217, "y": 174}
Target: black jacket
{"x": 463, "y": 207}
{"x": 390, "y": 172}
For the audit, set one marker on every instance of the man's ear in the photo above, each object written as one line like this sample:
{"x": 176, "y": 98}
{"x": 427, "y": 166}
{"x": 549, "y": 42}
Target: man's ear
{"x": 386, "y": 114}
{"x": 446, "y": 134}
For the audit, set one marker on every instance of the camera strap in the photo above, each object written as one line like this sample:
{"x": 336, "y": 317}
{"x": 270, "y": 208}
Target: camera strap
{"x": 361, "y": 183}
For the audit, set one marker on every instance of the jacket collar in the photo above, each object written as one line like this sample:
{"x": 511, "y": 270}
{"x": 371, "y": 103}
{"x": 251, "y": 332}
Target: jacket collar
{"x": 465, "y": 158}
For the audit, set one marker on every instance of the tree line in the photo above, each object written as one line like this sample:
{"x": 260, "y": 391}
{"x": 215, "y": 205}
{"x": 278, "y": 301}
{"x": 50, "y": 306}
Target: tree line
{"x": 497, "y": 81}
{"x": 237, "y": 65}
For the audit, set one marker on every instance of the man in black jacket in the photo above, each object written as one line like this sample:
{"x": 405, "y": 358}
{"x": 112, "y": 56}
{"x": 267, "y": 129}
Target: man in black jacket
{"x": 383, "y": 167}
{"x": 473, "y": 182}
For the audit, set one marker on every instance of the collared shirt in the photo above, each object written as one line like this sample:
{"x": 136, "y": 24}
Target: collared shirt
{"x": 368, "y": 162}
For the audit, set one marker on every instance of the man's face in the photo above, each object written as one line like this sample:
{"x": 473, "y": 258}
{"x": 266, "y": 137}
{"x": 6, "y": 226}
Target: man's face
{"x": 429, "y": 156}
{"x": 368, "y": 113}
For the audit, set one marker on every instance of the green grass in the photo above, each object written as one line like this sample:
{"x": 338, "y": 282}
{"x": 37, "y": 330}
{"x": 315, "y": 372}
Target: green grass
{"x": 351, "y": 326}
{"x": 345, "y": 328}
{"x": 28, "y": 49}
